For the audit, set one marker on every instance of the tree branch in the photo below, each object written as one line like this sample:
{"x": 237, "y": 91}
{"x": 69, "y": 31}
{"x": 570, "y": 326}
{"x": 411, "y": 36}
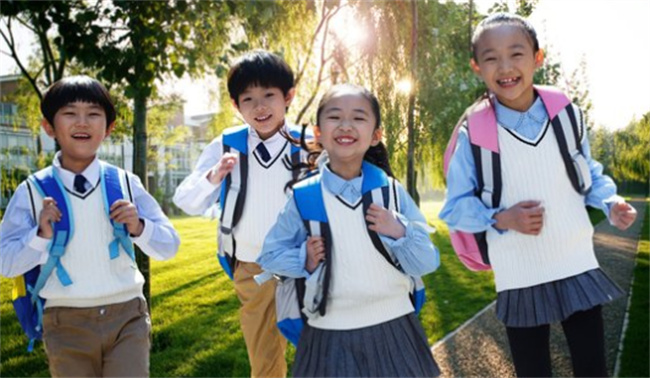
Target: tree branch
{"x": 9, "y": 40}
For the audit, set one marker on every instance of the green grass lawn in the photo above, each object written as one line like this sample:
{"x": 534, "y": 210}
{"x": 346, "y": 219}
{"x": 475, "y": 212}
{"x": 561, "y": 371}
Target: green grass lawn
{"x": 634, "y": 360}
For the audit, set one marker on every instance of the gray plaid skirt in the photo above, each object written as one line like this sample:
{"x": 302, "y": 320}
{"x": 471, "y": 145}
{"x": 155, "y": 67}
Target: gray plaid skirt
{"x": 555, "y": 301}
{"x": 397, "y": 348}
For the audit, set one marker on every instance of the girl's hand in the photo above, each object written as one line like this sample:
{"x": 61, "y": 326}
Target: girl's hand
{"x": 123, "y": 211}
{"x": 50, "y": 213}
{"x": 622, "y": 215}
{"x": 384, "y": 222}
{"x": 526, "y": 217}
{"x": 222, "y": 168}
{"x": 315, "y": 252}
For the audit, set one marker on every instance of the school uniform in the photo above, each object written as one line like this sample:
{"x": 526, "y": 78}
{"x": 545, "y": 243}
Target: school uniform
{"x": 546, "y": 278}
{"x": 265, "y": 195}
{"x": 369, "y": 328}
{"x": 105, "y": 294}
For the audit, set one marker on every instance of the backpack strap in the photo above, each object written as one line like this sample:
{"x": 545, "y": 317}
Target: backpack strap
{"x": 484, "y": 141}
{"x": 569, "y": 134}
{"x": 296, "y": 154}
{"x": 378, "y": 188}
{"x": 233, "y": 195}
{"x": 308, "y": 196}
{"x": 48, "y": 184}
{"x": 112, "y": 185}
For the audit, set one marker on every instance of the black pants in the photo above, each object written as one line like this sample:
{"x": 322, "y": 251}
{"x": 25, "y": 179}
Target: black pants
{"x": 585, "y": 335}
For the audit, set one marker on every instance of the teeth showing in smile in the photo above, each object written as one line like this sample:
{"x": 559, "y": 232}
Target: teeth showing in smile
{"x": 263, "y": 118}
{"x": 81, "y": 136}
{"x": 345, "y": 140}
{"x": 508, "y": 81}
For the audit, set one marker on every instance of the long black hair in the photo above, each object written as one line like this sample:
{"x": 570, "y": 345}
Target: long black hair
{"x": 377, "y": 155}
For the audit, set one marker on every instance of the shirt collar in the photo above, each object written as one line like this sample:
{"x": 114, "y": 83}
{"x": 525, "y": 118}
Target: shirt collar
{"x": 513, "y": 119}
{"x": 255, "y": 137}
{"x": 274, "y": 144}
{"x": 91, "y": 173}
{"x": 348, "y": 189}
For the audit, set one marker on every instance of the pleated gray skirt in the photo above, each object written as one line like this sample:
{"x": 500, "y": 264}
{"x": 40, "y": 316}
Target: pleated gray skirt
{"x": 555, "y": 301}
{"x": 397, "y": 348}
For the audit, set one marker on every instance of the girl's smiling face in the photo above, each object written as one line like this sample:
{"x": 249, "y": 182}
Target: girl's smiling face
{"x": 506, "y": 62}
{"x": 347, "y": 128}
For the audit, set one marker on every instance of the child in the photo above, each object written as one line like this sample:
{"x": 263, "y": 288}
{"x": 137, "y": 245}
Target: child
{"x": 539, "y": 237}
{"x": 261, "y": 86}
{"x": 98, "y": 324}
{"x": 367, "y": 326}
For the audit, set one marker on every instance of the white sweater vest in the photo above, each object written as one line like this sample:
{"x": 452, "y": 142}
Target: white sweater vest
{"x": 96, "y": 279}
{"x": 365, "y": 289}
{"x": 564, "y": 247}
{"x": 265, "y": 197}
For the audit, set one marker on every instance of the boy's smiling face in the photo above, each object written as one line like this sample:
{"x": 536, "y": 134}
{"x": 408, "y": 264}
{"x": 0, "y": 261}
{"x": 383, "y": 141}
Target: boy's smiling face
{"x": 264, "y": 108}
{"x": 79, "y": 128}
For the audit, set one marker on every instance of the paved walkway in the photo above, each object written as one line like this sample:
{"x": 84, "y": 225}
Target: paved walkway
{"x": 480, "y": 347}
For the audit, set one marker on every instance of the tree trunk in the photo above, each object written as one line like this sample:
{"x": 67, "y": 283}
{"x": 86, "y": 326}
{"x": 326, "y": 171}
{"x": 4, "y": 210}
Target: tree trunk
{"x": 140, "y": 169}
{"x": 411, "y": 178}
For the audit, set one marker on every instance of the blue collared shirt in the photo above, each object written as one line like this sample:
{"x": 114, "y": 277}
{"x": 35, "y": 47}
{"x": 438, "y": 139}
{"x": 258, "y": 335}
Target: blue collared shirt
{"x": 464, "y": 211}
{"x": 21, "y": 249}
{"x": 285, "y": 252}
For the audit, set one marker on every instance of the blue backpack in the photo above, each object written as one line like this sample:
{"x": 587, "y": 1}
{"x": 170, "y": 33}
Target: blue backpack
{"x": 25, "y": 296}
{"x": 233, "y": 191}
{"x": 378, "y": 188}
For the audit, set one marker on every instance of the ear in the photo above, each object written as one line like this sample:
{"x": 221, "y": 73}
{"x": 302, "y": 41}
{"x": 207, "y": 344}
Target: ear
{"x": 316, "y": 133}
{"x": 475, "y": 67}
{"x": 49, "y": 129}
{"x": 539, "y": 58}
{"x": 376, "y": 136}
{"x": 109, "y": 129}
{"x": 234, "y": 103}
{"x": 289, "y": 97}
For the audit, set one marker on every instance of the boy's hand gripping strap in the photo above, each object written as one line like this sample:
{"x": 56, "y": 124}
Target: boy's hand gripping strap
{"x": 112, "y": 191}
{"x": 48, "y": 184}
{"x": 231, "y": 198}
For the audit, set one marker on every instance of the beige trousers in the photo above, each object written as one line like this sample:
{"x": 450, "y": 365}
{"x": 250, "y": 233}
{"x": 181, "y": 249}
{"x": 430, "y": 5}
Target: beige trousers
{"x": 264, "y": 342}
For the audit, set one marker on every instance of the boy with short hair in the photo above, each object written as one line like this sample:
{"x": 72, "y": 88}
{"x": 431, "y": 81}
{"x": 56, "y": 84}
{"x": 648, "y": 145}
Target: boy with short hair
{"x": 246, "y": 169}
{"x": 95, "y": 321}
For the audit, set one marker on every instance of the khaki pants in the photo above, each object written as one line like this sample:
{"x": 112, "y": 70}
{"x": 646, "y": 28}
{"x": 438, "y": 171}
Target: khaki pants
{"x": 103, "y": 341}
{"x": 264, "y": 342}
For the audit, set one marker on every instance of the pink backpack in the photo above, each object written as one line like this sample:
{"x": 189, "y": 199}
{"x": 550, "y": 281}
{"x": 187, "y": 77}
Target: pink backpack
{"x": 481, "y": 125}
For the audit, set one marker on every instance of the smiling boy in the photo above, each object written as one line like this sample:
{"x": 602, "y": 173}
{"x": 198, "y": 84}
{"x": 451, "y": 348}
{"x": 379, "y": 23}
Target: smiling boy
{"x": 95, "y": 321}
{"x": 245, "y": 170}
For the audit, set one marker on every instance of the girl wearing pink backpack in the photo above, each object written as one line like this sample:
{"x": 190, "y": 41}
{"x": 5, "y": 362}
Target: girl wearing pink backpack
{"x": 519, "y": 174}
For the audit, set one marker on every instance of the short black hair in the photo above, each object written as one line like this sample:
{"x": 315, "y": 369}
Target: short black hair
{"x": 502, "y": 18}
{"x": 80, "y": 88}
{"x": 259, "y": 68}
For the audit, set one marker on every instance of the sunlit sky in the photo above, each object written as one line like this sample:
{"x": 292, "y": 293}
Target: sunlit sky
{"x": 612, "y": 36}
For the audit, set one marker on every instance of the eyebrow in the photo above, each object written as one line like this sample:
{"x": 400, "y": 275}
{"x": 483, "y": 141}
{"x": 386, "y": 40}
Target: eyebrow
{"x": 357, "y": 110}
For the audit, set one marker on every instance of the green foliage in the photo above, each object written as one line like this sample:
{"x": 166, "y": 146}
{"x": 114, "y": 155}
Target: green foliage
{"x": 632, "y": 151}
{"x": 634, "y": 358}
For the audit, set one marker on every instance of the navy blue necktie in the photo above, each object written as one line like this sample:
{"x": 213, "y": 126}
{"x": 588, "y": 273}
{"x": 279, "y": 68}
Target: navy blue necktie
{"x": 80, "y": 184}
{"x": 263, "y": 152}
